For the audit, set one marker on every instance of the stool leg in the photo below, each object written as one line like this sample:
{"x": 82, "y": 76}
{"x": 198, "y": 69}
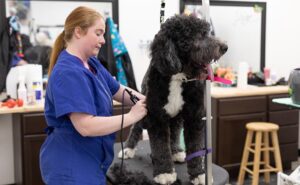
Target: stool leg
{"x": 276, "y": 151}
{"x": 267, "y": 156}
{"x": 245, "y": 157}
{"x": 256, "y": 164}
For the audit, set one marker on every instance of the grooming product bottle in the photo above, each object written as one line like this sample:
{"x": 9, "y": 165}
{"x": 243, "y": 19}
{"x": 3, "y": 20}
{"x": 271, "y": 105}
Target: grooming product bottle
{"x": 31, "y": 97}
{"x": 267, "y": 75}
{"x": 38, "y": 91}
{"x": 242, "y": 80}
{"x": 22, "y": 91}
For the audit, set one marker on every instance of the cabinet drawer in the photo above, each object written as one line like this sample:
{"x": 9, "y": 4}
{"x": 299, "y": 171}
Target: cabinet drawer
{"x": 288, "y": 134}
{"x": 34, "y": 123}
{"x": 233, "y": 106}
{"x": 275, "y": 106}
{"x": 287, "y": 117}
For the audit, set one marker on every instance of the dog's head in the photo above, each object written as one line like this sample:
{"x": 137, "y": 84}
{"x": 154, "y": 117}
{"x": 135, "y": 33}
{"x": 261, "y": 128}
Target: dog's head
{"x": 184, "y": 44}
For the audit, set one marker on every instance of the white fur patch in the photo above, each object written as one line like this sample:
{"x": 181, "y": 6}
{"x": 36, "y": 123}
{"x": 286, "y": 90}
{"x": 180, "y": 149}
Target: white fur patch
{"x": 179, "y": 157}
{"x": 128, "y": 153}
{"x": 175, "y": 100}
{"x": 166, "y": 178}
{"x": 200, "y": 180}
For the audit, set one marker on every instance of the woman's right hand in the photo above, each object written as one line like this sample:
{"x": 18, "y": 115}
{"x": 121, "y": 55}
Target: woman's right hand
{"x": 138, "y": 111}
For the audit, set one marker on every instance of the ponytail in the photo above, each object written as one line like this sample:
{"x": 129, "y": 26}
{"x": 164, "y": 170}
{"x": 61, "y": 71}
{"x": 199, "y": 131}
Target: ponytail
{"x": 59, "y": 45}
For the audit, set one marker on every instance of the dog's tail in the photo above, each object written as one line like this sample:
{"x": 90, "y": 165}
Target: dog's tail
{"x": 125, "y": 177}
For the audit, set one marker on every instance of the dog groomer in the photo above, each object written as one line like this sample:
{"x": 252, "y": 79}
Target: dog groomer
{"x": 78, "y": 106}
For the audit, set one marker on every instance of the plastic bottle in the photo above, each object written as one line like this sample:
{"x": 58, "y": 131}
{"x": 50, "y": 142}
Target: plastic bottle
{"x": 242, "y": 80}
{"x": 22, "y": 91}
{"x": 38, "y": 89}
{"x": 31, "y": 96}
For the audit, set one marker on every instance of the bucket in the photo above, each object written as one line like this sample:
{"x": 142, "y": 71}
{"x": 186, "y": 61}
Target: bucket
{"x": 294, "y": 85}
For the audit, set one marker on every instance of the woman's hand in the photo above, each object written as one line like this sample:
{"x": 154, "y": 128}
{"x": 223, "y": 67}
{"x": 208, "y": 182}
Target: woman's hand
{"x": 118, "y": 96}
{"x": 138, "y": 111}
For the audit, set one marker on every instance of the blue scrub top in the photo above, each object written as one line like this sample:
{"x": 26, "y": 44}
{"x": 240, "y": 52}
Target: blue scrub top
{"x": 66, "y": 157}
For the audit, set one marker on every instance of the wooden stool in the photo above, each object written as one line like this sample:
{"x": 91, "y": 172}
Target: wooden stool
{"x": 261, "y": 130}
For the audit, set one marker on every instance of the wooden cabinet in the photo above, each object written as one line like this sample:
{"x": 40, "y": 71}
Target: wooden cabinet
{"x": 230, "y": 116}
{"x": 29, "y": 135}
{"x": 288, "y": 120}
{"x": 28, "y": 139}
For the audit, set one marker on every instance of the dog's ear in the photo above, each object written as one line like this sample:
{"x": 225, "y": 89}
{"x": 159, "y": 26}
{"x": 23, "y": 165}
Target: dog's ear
{"x": 165, "y": 58}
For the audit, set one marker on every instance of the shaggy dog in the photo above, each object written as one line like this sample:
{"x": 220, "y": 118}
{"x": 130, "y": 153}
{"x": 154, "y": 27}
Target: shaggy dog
{"x": 180, "y": 51}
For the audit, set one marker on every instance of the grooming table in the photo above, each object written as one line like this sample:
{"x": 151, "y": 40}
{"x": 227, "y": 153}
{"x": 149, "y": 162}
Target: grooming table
{"x": 142, "y": 162}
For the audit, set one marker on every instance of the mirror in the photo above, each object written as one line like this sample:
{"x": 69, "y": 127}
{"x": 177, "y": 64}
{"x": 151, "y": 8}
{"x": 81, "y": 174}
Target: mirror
{"x": 241, "y": 24}
{"x": 40, "y": 23}
{"x": 48, "y": 16}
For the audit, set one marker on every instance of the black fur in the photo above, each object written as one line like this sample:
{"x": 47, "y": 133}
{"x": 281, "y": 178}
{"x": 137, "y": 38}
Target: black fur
{"x": 125, "y": 177}
{"x": 183, "y": 45}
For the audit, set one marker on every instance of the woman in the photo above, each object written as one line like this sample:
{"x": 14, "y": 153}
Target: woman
{"x": 78, "y": 105}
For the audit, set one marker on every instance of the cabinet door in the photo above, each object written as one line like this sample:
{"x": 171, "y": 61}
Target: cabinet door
{"x": 32, "y": 145}
{"x": 242, "y": 105}
{"x": 125, "y": 131}
{"x": 231, "y": 135}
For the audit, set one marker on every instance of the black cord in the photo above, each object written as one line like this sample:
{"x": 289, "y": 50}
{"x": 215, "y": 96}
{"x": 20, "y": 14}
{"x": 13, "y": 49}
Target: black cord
{"x": 134, "y": 99}
{"x": 121, "y": 132}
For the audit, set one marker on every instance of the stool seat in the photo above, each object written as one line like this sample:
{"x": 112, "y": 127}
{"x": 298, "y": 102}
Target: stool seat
{"x": 262, "y": 126}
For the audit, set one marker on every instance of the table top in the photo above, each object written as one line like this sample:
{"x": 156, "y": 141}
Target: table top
{"x": 286, "y": 101}
{"x": 142, "y": 163}
{"x": 250, "y": 90}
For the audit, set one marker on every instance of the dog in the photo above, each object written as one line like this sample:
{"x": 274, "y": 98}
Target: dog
{"x": 174, "y": 85}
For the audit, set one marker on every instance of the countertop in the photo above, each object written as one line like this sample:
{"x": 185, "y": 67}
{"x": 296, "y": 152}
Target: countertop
{"x": 23, "y": 109}
{"x": 226, "y": 92}
{"x": 216, "y": 92}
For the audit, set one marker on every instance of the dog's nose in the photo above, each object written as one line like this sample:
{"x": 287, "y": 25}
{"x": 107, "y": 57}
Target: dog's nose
{"x": 223, "y": 48}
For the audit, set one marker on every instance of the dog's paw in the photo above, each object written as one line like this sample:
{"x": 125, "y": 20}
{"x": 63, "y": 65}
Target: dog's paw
{"x": 166, "y": 178}
{"x": 200, "y": 180}
{"x": 128, "y": 153}
{"x": 179, "y": 157}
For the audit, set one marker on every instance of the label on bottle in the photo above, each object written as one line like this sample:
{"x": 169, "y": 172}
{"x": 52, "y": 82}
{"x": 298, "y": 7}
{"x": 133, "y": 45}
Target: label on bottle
{"x": 37, "y": 89}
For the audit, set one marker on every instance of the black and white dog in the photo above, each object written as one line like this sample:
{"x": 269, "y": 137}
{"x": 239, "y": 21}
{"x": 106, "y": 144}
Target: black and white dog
{"x": 181, "y": 50}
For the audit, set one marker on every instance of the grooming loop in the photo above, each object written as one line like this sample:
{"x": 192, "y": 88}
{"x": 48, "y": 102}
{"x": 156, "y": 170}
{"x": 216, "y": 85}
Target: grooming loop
{"x": 199, "y": 153}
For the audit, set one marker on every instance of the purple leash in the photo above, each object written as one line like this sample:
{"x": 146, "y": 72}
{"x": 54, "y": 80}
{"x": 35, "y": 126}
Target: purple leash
{"x": 199, "y": 153}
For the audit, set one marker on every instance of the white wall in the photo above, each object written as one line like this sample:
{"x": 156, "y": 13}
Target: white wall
{"x": 6, "y": 150}
{"x": 283, "y": 36}
{"x": 139, "y": 21}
